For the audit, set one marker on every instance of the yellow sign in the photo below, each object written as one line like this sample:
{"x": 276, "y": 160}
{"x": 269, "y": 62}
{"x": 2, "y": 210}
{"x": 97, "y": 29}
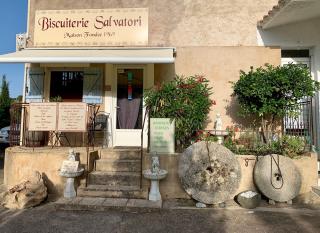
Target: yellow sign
{"x": 43, "y": 116}
{"x": 72, "y": 117}
{"x": 91, "y": 27}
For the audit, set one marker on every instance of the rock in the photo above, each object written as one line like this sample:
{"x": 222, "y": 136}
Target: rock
{"x": 222, "y": 205}
{"x": 249, "y": 199}
{"x": 279, "y": 185}
{"x": 201, "y": 205}
{"x": 209, "y": 172}
{"x": 26, "y": 194}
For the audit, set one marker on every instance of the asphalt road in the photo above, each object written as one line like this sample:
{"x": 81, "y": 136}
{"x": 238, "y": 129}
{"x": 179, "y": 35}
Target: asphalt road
{"x": 2, "y": 148}
{"x": 46, "y": 219}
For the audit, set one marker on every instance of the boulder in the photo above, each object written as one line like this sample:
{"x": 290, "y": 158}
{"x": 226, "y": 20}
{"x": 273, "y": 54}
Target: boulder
{"x": 209, "y": 172}
{"x": 27, "y": 194}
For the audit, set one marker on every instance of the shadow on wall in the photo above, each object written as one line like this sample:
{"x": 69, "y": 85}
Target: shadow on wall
{"x": 52, "y": 188}
{"x": 233, "y": 111}
{"x": 164, "y": 72}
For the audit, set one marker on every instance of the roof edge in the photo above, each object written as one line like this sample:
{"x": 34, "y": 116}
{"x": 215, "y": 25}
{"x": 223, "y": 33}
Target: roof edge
{"x": 273, "y": 12}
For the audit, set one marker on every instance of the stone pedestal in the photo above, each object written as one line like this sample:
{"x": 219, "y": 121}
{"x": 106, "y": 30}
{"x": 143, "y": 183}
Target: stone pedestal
{"x": 154, "y": 194}
{"x": 69, "y": 190}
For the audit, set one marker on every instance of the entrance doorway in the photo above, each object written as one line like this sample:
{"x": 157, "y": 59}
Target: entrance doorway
{"x": 129, "y": 106}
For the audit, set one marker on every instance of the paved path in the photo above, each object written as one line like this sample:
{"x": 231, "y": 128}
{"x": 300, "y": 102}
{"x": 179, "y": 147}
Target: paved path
{"x": 47, "y": 219}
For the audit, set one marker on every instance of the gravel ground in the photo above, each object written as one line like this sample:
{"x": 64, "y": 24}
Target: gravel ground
{"x": 47, "y": 219}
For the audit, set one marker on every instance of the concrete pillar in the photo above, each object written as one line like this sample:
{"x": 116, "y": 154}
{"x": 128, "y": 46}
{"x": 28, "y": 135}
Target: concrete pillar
{"x": 316, "y": 73}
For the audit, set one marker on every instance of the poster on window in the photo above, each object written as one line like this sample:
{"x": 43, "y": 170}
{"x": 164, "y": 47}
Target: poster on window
{"x": 72, "y": 117}
{"x": 42, "y": 116}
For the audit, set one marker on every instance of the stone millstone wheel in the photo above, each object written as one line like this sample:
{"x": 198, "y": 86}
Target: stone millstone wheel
{"x": 209, "y": 172}
{"x": 281, "y": 186}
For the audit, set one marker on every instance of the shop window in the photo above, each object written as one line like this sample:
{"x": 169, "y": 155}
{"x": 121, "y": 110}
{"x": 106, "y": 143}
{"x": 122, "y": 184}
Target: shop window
{"x": 67, "y": 84}
{"x": 289, "y": 53}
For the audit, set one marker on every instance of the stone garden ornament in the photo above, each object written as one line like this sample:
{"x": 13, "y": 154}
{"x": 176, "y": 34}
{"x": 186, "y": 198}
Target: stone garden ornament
{"x": 155, "y": 174}
{"x": 209, "y": 172}
{"x": 70, "y": 170}
{"x": 277, "y": 177}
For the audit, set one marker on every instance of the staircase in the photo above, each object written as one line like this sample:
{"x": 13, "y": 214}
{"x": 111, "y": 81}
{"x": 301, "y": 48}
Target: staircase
{"x": 117, "y": 174}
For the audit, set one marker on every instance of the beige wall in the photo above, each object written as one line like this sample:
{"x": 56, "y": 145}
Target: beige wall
{"x": 20, "y": 163}
{"x": 171, "y": 187}
{"x": 183, "y": 22}
{"x": 221, "y": 65}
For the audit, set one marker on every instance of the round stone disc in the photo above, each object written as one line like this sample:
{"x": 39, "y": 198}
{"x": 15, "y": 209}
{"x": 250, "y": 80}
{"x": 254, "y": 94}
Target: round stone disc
{"x": 281, "y": 186}
{"x": 209, "y": 172}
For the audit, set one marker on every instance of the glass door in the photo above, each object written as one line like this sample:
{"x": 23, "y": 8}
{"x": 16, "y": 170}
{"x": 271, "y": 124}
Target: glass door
{"x": 129, "y": 106}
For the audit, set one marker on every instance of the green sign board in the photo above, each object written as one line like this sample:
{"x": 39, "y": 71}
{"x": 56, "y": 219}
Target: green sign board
{"x": 162, "y": 135}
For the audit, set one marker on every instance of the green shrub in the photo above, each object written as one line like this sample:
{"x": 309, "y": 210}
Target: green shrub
{"x": 292, "y": 146}
{"x": 185, "y": 99}
{"x": 271, "y": 92}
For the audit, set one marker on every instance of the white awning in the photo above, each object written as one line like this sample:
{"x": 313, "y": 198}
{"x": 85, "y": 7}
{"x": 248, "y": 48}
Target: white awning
{"x": 290, "y": 11}
{"x": 88, "y": 55}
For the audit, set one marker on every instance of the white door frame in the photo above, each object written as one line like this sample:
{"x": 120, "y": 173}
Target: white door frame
{"x": 129, "y": 137}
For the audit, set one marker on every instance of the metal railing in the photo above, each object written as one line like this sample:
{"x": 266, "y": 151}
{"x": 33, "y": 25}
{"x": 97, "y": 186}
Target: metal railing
{"x": 146, "y": 116}
{"x": 300, "y": 124}
{"x": 21, "y": 135}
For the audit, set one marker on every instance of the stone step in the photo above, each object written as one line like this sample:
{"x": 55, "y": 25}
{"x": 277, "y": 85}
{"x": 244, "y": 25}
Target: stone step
{"x": 114, "y": 178}
{"x": 107, "y": 191}
{"x": 111, "y": 187}
{"x": 103, "y": 204}
{"x": 118, "y": 165}
{"x": 121, "y": 154}
{"x": 316, "y": 190}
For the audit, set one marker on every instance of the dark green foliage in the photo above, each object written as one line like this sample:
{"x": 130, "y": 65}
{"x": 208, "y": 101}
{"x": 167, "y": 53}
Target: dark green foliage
{"x": 273, "y": 90}
{"x": 5, "y": 103}
{"x": 185, "y": 99}
{"x": 269, "y": 92}
{"x": 289, "y": 146}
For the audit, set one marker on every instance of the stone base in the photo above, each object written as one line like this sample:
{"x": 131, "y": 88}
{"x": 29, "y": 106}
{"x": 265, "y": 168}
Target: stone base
{"x": 102, "y": 204}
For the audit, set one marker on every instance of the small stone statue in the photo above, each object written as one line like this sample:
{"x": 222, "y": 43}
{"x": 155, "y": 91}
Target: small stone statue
{"x": 72, "y": 155}
{"x": 218, "y": 126}
{"x": 218, "y": 122}
{"x": 155, "y": 164}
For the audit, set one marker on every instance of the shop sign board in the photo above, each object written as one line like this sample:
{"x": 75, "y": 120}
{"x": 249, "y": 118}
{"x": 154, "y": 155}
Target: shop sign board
{"x": 42, "y": 116}
{"x": 162, "y": 136}
{"x": 72, "y": 117}
{"x": 62, "y": 117}
{"x": 91, "y": 27}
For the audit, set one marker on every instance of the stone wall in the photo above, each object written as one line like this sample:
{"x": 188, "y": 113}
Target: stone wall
{"x": 170, "y": 187}
{"x": 21, "y": 162}
{"x": 182, "y": 22}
